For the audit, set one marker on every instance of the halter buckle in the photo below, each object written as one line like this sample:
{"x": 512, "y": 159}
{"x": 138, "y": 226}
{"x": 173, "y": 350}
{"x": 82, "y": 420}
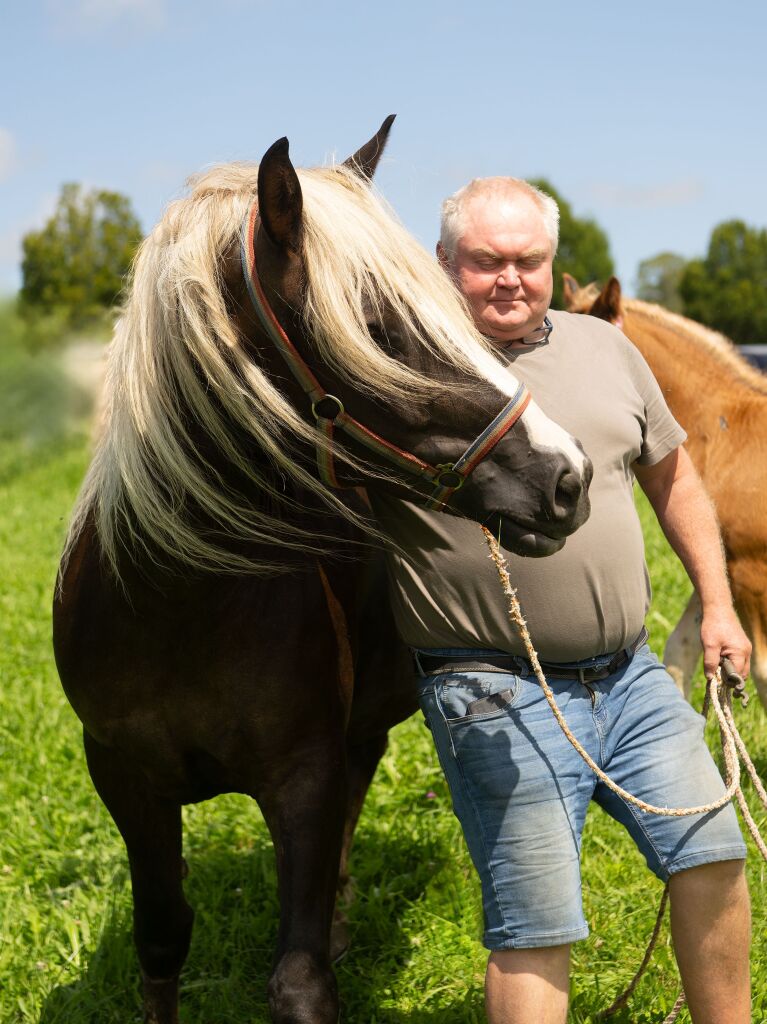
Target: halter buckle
{"x": 317, "y": 412}
{"x": 446, "y": 472}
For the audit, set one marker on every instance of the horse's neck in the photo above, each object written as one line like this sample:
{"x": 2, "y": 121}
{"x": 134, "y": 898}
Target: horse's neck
{"x": 694, "y": 377}
{"x": 704, "y": 391}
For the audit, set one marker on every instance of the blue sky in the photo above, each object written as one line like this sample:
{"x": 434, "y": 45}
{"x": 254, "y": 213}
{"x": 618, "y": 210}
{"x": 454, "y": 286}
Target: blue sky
{"x": 648, "y": 116}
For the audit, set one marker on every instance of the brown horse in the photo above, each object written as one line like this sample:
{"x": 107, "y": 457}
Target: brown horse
{"x": 721, "y": 401}
{"x": 220, "y": 622}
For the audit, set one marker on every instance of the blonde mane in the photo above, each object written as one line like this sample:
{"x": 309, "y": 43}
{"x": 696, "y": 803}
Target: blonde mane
{"x": 176, "y": 360}
{"x": 717, "y": 345}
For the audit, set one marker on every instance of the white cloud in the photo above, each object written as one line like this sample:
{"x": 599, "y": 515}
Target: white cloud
{"x": 9, "y": 157}
{"x": 94, "y": 14}
{"x": 670, "y": 193}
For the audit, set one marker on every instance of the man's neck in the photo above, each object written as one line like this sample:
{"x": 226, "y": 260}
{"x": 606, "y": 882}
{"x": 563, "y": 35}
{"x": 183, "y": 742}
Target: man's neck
{"x": 522, "y": 341}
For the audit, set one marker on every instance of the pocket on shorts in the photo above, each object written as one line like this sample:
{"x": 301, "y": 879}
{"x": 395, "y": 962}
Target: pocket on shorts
{"x": 475, "y": 698}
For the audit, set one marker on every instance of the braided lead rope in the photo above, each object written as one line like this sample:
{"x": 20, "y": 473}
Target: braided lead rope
{"x": 676, "y": 1009}
{"x": 753, "y": 828}
{"x": 732, "y": 764}
{"x": 760, "y": 790}
{"x": 627, "y": 993}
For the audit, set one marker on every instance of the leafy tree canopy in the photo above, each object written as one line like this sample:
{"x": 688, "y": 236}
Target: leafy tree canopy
{"x": 727, "y": 290}
{"x": 659, "y": 278}
{"x": 76, "y": 264}
{"x": 584, "y": 250}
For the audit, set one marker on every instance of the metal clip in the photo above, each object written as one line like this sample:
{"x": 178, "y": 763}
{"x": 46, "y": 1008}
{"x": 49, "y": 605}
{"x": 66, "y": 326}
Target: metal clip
{"x": 736, "y": 682}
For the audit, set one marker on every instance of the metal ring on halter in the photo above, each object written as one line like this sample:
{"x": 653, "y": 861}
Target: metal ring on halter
{"x": 446, "y": 469}
{"x": 327, "y": 398}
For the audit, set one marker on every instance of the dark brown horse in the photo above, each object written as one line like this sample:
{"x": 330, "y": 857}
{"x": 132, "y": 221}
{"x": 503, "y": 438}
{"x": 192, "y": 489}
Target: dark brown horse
{"x": 220, "y": 622}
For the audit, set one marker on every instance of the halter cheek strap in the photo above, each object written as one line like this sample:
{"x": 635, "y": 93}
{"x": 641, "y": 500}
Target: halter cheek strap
{"x": 329, "y": 413}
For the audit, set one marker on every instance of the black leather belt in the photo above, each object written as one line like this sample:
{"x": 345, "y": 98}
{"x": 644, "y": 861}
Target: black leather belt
{"x": 437, "y": 664}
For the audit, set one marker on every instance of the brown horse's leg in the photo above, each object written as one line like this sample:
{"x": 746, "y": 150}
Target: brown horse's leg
{"x": 304, "y": 808}
{"x": 683, "y": 649}
{"x": 362, "y": 760}
{"x": 162, "y": 919}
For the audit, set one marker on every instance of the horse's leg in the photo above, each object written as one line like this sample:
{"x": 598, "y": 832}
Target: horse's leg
{"x": 759, "y": 657}
{"x": 384, "y": 694}
{"x": 162, "y": 919}
{"x": 751, "y": 605}
{"x": 683, "y": 648}
{"x": 747, "y": 575}
{"x": 362, "y": 760}
{"x": 303, "y": 799}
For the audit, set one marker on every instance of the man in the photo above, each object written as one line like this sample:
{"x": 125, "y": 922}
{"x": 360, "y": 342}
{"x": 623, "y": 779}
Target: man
{"x": 518, "y": 787}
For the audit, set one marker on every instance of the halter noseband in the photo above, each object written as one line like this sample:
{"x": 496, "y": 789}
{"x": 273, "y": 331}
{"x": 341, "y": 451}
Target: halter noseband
{"x": 329, "y": 412}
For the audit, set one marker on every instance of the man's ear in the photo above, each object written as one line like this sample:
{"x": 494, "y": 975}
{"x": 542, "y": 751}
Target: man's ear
{"x": 444, "y": 262}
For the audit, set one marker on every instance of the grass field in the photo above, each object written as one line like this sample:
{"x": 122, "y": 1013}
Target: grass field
{"x": 65, "y": 949}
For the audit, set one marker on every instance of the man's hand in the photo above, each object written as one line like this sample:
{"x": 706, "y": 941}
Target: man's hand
{"x": 722, "y": 636}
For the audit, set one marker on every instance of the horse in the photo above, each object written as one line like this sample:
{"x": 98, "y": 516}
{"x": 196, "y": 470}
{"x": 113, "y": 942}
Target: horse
{"x": 220, "y": 619}
{"x": 721, "y": 401}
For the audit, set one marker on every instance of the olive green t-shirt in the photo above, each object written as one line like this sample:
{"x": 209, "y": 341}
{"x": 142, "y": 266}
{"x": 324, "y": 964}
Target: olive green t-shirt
{"x": 589, "y": 598}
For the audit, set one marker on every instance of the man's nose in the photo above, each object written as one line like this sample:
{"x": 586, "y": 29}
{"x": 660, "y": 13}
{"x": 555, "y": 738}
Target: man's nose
{"x": 508, "y": 276}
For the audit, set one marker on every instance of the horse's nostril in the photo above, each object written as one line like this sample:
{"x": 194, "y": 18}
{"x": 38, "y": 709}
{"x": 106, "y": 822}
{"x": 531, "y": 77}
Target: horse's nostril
{"x": 567, "y": 493}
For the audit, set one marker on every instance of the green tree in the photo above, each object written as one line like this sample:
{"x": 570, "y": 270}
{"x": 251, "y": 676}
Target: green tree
{"x": 76, "y": 264}
{"x": 658, "y": 280}
{"x": 584, "y": 250}
{"x": 727, "y": 290}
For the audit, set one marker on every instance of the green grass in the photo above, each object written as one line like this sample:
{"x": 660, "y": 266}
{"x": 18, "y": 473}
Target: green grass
{"x": 65, "y": 949}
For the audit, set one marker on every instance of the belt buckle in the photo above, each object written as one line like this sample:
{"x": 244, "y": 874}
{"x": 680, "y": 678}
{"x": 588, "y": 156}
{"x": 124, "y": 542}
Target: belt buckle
{"x": 593, "y": 675}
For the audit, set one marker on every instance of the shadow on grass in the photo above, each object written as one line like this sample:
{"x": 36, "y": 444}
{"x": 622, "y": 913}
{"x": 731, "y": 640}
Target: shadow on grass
{"x": 225, "y": 976}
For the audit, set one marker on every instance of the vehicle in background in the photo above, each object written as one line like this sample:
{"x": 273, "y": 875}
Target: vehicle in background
{"x": 755, "y": 354}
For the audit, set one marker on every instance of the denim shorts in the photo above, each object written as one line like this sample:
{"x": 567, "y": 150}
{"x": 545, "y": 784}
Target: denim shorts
{"x": 521, "y": 791}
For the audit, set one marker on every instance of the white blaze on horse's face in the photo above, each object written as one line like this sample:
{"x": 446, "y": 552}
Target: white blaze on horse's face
{"x": 545, "y": 433}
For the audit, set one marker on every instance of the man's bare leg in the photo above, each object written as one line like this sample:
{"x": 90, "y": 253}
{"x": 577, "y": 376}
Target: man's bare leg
{"x": 711, "y": 928}
{"x": 528, "y": 986}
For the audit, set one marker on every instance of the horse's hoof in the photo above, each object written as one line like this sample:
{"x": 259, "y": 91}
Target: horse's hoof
{"x": 160, "y": 1000}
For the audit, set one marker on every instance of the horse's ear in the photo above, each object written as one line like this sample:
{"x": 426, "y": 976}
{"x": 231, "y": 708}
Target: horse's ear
{"x": 280, "y": 200}
{"x": 611, "y": 299}
{"x": 608, "y": 303}
{"x": 570, "y": 288}
{"x": 365, "y": 160}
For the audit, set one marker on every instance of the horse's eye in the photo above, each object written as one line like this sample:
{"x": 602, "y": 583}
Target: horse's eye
{"x": 385, "y": 339}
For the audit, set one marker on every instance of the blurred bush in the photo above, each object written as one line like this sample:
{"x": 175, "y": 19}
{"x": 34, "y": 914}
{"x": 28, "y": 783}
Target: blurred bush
{"x": 73, "y": 269}
{"x": 43, "y": 402}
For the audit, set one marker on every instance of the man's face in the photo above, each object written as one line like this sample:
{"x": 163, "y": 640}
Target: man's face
{"x": 502, "y": 264}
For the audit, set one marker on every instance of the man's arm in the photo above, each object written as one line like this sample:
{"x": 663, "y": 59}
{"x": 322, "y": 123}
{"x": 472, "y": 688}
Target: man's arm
{"x": 688, "y": 519}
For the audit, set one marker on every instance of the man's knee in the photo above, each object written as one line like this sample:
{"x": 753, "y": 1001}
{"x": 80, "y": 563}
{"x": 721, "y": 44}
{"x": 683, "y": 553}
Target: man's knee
{"x": 545, "y": 962}
{"x": 720, "y": 873}
{"x": 719, "y": 886}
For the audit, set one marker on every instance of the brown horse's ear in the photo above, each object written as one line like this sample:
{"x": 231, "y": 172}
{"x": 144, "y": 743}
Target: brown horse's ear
{"x": 365, "y": 160}
{"x": 611, "y": 297}
{"x": 608, "y": 305}
{"x": 570, "y": 288}
{"x": 280, "y": 201}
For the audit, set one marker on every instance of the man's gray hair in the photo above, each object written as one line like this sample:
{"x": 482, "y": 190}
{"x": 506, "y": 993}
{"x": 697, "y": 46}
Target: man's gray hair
{"x": 454, "y": 207}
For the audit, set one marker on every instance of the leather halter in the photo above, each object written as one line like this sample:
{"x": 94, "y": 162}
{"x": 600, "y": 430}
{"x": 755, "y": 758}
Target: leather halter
{"x": 329, "y": 412}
